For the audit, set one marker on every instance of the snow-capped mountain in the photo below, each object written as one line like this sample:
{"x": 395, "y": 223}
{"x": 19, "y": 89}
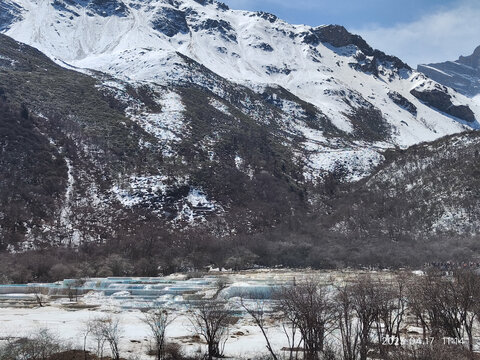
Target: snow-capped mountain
{"x": 162, "y": 113}
{"x": 462, "y": 75}
{"x": 143, "y": 41}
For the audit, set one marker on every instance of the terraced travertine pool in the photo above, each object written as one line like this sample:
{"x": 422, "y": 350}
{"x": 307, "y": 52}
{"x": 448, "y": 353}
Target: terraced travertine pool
{"x": 177, "y": 289}
{"x": 70, "y": 303}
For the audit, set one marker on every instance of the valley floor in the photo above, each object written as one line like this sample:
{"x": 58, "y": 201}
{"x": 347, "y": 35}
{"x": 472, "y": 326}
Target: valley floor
{"x": 66, "y": 314}
{"x": 125, "y": 298}
{"x": 245, "y": 340}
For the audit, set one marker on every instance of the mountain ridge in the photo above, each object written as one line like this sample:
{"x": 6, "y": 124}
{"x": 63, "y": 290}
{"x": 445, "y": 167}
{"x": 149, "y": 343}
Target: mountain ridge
{"x": 248, "y": 48}
{"x": 462, "y": 74}
{"x": 170, "y": 119}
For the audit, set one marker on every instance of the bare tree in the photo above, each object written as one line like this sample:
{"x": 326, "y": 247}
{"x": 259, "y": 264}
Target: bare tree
{"x": 220, "y": 284}
{"x": 457, "y": 302}
{"x": 95, "y": 329}
{"x": 468, "y": 292}
{"x": 290, "y": 329}
{"x": 392, "y": 305}
{"x": 70, "y": 293}
{"x": 417, "y": 304}
{"x": 42, "y": 345}
{"x": 211, "y": 321}
{"x": 106, "y": 330}
{"x": 450, "y": 311}
{"x": 86, "y": 329}
{"x": 111, "y": 331}
{"x": 157, "y": 320}
{"x": 73, "y": 289}
{"x": 38, "y": 295}
{"x": 257, "y": 312}
{"x": 45, "y": 344}
{"x": 310, "y": 308}
{"x": 365, "y": 297}
{"x": 447, "y": 306}
{"x": 347, "y": 323}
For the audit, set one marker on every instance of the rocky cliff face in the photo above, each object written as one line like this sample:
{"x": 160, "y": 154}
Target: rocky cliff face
{"x": 472, "y": 60}
{"x": 462, "y": 75}
{"x": 9, "y": 13}
{"x": 439, "y": 98}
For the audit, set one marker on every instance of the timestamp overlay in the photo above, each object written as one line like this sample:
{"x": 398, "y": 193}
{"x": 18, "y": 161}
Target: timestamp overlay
{"x": 421, "y": 341}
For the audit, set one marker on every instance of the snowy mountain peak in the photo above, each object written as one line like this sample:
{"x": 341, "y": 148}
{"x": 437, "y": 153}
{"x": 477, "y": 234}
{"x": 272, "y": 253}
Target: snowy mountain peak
{"x": 363, "y": 93}
{"x": 463, "y": 74}
{"x": 472, "y": 60}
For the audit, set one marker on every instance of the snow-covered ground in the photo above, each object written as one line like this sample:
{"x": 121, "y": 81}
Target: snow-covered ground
{"x": 19, "y": 316}
{"x": 245, "y": 339}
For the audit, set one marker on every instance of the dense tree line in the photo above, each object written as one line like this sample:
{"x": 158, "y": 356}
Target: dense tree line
{"x": 163, "y": 253}
{"x": 32, "y": 171}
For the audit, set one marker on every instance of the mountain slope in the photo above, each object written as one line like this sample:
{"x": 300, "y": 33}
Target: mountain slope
{"x": 430, "y": 188}
{"x": 226, "y": 163}
{"x": 217, "y": 134}
{"x": 89, "y": 140}
{"x": 339, "y": 73}
{"x": 422, "y": 205}
{"x": 462, "y": 75}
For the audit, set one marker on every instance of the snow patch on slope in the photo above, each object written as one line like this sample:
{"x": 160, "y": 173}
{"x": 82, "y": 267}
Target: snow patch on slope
{"x": 155, "y": 192}
{"x": 220, "y": 106}
{"x": 354, "y": 163}
{"x": 168, "y": 125}
{"x": 196, "y": 205}
{"x": 139, "y": 189}
{"x": 66, "y": 211}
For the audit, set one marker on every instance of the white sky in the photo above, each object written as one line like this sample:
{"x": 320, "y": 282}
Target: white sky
{"x": 436, "y": 37}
